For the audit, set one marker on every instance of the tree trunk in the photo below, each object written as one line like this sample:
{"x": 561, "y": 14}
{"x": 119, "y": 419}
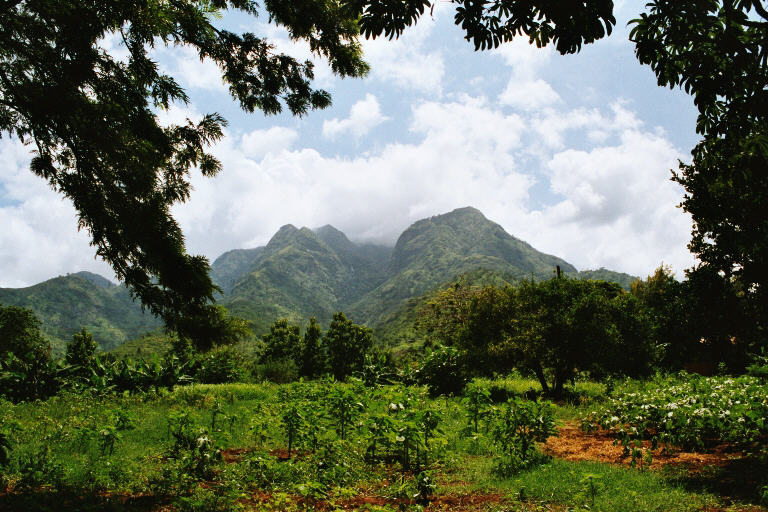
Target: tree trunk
{"x": 540, "y": 375}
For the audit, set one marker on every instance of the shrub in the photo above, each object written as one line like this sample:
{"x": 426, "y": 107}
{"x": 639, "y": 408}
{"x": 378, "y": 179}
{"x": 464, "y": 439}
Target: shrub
{"x": 517, "y": 429}
{"x": 221, "y": 365}
{"x": 442, "y": 371}
{"x": 281, "y": 371}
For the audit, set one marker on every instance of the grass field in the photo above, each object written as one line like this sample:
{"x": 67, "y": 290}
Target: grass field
{"x": 330, "y": 446}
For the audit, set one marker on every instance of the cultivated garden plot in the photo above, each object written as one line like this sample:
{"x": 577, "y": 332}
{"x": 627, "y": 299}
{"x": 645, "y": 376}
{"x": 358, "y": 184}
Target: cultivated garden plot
{"x": 325, "y": 445}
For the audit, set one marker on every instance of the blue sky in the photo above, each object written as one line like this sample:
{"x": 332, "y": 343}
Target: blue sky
{"x": 570, "y": 153}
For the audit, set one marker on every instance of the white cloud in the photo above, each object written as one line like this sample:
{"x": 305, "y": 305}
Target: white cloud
{"x": 184, "y": 64}
{"x": 528, "y": 94}
{"x": 524, "y": 58}
{"x": 39, "y": 237}
{"x": 178, "y": 115}
{"x": 525, "y": 89}
{"x": 363, "y": 116}
{"x": 615, "y": 205}
{"x": 406, "y": 62}
{"x": 258, "y": 143}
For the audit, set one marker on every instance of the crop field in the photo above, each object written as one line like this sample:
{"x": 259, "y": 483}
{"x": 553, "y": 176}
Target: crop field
{"x": 670, "y": 443}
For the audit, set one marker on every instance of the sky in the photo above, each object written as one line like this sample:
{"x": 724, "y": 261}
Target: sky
{"x": 572, "y": 154}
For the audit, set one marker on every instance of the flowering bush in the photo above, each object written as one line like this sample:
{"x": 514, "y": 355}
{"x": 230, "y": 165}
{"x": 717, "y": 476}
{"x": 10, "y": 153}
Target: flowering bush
{"x": 689, "y": 411}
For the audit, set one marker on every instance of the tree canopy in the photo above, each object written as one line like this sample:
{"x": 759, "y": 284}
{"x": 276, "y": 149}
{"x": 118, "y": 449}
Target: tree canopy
{"x": 717, "y": 51}
{"x": 92, "y": 121}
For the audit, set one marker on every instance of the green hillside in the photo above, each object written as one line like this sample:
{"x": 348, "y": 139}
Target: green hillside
{"x": 299, "y": 275}
{"x": 232, "y": 266}
{"x": 302, "y": 273}
{"x": 437, "y": 250}
{"x": 66, "y": 304}
{"x": 602, "y": 274}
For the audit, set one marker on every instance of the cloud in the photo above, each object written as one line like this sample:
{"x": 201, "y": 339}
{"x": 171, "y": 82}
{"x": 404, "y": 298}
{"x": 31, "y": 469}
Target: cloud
{"x": 525, "y": 89}
{"x": 363, "y": 116}
{"x": 528, "y": 94}
{"x": 184, "y": 64}
{"x": 405, "y": 62}
{"x": 258, "y": 143}
{"x": 39, "y": 238}
{"x": 613, "y": 204}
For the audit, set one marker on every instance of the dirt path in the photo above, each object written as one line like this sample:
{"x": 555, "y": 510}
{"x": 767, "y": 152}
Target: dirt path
{"x": 575, "y": 445}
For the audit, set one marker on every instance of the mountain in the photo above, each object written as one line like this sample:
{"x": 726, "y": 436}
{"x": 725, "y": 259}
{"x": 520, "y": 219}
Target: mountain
{"x": 603, "y": 274}
{"x": 436, "y": 250}
{"x": 65, "y": 304}
{"x": 303, "y": 272}
{"x": 228, "y": 268}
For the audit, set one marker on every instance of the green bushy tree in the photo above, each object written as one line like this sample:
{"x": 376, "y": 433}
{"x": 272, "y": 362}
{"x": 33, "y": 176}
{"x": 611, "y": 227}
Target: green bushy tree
{"x": 27, "y": 370}
{"x": 313, "y": 357}
{"x": 81, "y": 350}
{"x": 561, "y": 325}
{"x": 347, "y": 343}
{"x": 283, "y": 342}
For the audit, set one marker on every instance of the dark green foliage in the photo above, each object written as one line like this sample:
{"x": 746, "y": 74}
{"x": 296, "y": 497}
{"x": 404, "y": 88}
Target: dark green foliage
{"x": 344, "y": 408}
{"x": 282, "y": 343}
{"x": 282, "y": 371}
{"x": 347, "y": 344}
{"x": 561, "y": 325}
{"x": 716, "y": 51}
{"x": 551, "y": 328}
{"x": 442, "y": 371}
{"x": 27, "y": 371}
{"x": 5, "y": 449}
{"x": 477, "y": 401}
{"x": 224, "y": 364}
{"x": 489, "y": 24}
{"x": 20, "y": 333}
{"x": 313, "y": 357}
{"x": 213, "y": 327}
{"x": 81, "y": 350}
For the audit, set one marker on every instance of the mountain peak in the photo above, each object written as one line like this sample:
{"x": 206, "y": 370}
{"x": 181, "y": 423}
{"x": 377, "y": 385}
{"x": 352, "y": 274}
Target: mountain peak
{"x": 96, "y": 279}
{"x": 334, "y": 238}
{"x": 466, "y": 210}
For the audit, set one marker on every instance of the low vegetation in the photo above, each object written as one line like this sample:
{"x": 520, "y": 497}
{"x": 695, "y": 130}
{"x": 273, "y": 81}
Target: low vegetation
{"x": 323, "y": 445}
{"x": 513, "y": 402}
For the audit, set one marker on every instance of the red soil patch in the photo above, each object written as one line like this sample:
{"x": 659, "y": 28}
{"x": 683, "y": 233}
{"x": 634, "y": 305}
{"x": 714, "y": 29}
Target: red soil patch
{"x": 444, "y": 503}
{"x": 234, "y": 454}
{"x": 573, "y": 444}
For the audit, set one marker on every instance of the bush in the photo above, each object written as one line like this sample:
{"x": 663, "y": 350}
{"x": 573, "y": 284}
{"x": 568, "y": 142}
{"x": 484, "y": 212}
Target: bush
{"x": 280, "y": 371}
{"x": 221, "y": 365}
{"x": 442, "y": 371}
{"x": 517, "y": 429}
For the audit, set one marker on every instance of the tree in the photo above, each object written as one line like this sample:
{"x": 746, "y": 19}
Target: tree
{"x": 81, "y": 352}
{"x": 347, "y": 343}
{"x": 555, "y": 328}
{"x": 312, "y": 360}
{"x": 20, "y": 333}
{"x": 212, "y": 326}
{"x": 718, "y": 52}
{"x": 92, "y": 119}
{"x": 282, "y": 342}
{"x": 27, "y": 371}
